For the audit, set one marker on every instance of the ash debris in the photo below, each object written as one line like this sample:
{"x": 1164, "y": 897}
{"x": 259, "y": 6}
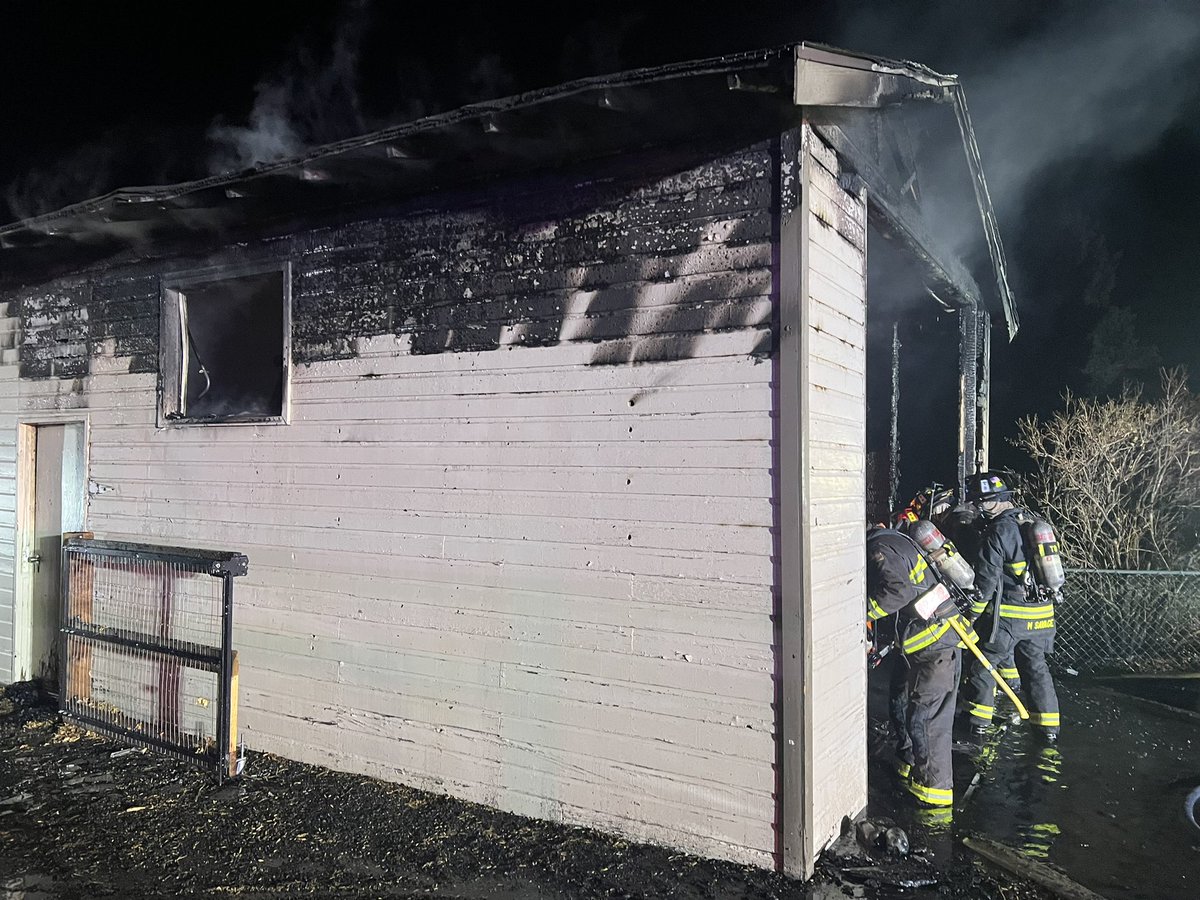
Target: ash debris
{"x": 127, "y": 823}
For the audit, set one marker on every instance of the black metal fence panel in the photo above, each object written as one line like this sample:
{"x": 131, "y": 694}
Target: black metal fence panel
{"x": 1112, "y": 620}
{"x": 147, "y": 636}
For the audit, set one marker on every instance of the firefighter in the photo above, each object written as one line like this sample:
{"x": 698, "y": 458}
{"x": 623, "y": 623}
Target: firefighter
{"x": 1016, "y": 612}
{"x": 901, "y": 583}
{"x": 964, "y": 525}
{"x": 930, "y": 502}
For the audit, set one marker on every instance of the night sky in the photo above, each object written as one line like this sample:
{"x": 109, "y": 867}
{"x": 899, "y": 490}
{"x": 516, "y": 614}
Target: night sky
{"x": 1088, "y": 115}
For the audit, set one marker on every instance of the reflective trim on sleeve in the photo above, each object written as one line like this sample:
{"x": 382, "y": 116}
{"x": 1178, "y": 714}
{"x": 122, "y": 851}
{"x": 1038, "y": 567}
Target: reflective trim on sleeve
{"x": 1017, "y": 568}
{"x": 926, "y": 637}
{"x": 917, "y": 575}
{"x": 874, "y": 610}
{"x": 970, "y": 630}
{"x": 1009, "y": 674}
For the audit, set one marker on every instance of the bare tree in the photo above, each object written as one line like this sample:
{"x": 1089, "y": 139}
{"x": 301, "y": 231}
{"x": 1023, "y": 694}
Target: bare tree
{"x": 1121, "y": 477}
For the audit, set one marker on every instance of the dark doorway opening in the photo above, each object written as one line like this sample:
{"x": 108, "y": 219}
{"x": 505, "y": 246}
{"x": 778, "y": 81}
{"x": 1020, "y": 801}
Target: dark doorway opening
{"x": 912, "y": 358}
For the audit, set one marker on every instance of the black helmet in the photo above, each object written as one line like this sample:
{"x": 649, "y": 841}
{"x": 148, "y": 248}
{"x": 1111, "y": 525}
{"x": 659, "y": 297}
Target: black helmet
{"x": 984, "y": 486}
{"x": 935, "y": 500}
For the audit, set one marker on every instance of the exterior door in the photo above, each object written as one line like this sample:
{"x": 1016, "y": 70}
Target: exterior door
{"x": 60, "y": 491}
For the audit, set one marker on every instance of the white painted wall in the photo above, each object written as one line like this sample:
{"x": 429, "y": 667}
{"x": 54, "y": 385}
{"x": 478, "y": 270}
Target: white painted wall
{"x": 9, "y": 390}
{"x": 834, "y": 490}
{"x": 488, "y": 574}
{"x": 515, "y": 576}
{"x": 519, "y": 577}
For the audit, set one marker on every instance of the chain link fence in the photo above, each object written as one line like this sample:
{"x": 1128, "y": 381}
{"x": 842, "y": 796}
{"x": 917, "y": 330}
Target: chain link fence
{"x": 1113, "y": 620}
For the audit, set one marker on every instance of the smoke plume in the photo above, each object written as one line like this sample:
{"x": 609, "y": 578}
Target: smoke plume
{"x": 308, "y": 102}
{"x": 1098, "y": 81}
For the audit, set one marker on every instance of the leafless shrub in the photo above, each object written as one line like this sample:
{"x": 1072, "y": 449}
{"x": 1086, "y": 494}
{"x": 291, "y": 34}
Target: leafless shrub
{"x": 1120, "y": 479}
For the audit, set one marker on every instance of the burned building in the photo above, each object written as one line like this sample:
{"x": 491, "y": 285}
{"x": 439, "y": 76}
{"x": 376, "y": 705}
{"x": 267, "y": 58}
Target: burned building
{"x": 543, "y": 423}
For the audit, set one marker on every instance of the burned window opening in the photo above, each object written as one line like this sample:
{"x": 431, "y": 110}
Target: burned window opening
{"x": 226, "y": 349}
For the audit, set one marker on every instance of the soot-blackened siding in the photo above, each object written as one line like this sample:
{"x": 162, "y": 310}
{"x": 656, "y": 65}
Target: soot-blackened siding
{"x": 534, "y": 263}
{"x": 62, "y": 329}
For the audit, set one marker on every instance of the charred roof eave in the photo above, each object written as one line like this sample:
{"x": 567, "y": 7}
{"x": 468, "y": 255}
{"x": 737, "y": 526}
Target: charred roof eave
{"x": 743, "y": 95}
{"x": 838, "y": 81}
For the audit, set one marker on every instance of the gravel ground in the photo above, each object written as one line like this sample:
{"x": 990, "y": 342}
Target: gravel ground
{"x": 77, "y": 821}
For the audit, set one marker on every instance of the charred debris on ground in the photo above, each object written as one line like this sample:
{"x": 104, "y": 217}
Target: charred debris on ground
{"x": 81, "y": 816}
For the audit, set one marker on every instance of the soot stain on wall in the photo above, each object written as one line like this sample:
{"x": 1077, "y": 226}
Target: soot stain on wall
{"x": 642, "y": 255}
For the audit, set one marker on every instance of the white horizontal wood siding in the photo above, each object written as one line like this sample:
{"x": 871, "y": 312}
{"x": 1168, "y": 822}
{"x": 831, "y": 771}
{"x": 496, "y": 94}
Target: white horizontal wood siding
{"x": 563, "y": 611}
{"x": 834, "y": 489}
{"x": 540, "y": 578}
{"x": 9, "y": 339}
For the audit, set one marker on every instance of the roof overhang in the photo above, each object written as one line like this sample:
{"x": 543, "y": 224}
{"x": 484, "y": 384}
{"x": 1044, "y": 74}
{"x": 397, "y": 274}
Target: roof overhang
{"x": 735, "y": 98}
{"x": 838, "y": 83}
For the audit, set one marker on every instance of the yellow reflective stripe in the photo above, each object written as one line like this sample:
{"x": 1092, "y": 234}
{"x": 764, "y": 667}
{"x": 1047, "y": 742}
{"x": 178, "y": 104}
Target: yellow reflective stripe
{"x": 977, "y": 607}
{"x": 903, "y": 768}
{"x": 937, "y": 815}
{"x": 971, "y": 635}
{"x": 1009, "y": 611}
{"x": 925, "y": 637}
{"x": 1017, "y": 568}
{"x": 874, "y": 610}
{"x": 979, "y": 711}
{"x": 1009, "y": 674}
{"x": 917, "y": 575}
{"x": 1049, "y": 720}
{"x": 932, "y": 796}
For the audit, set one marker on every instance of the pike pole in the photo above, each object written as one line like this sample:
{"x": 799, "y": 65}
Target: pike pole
{"x": 973, "y": 647}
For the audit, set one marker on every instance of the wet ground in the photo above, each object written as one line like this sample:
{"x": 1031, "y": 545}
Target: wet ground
{"x": 1106, "y": 805}
{"x": 1181, "y": 693}
{"x": 84, "y": 817}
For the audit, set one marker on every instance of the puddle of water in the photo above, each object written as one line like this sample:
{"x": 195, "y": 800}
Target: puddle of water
{"x": 1105, "y": 804}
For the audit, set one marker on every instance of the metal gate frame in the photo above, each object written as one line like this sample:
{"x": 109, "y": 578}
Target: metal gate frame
{"x": 222, "y": 659}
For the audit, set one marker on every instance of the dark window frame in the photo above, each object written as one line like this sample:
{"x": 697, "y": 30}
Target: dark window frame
{"x": 174, "y": 353}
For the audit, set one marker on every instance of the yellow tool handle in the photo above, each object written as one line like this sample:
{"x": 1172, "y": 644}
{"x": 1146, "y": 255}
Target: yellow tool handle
{"x": 962, "y": 633}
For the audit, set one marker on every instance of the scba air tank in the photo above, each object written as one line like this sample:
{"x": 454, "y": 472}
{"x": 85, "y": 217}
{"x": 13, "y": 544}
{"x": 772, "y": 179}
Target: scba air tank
{"x": 1044, "y": 557}
{"x": 942, "y": 553}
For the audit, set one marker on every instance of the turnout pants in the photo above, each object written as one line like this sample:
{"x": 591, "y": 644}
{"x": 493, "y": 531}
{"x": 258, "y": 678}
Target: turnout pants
{"x": 932, "y": 684}
{"x": 898, "y": 712}
{"x": 1008, "y": 670}
{"x": 1012, "y": 639}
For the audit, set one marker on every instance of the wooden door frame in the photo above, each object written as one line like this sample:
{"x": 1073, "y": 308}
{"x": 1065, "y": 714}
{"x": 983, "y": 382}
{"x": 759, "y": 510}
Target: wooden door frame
{"x": 27, "y": 425}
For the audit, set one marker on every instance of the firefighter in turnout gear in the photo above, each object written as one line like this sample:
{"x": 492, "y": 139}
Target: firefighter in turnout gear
{"x": 964, "y": 526}
{"x": 929, "y": 503}
{"x": 1015, "y": 607}
{"x": 901, "y": 583}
